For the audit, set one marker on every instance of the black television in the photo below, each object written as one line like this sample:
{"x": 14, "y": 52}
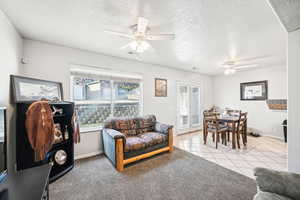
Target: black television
{"x": 3, "y": 146}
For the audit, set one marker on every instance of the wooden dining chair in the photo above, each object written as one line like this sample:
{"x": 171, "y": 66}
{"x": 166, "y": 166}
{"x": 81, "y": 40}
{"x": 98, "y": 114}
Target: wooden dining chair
{"x": 230, "y": 128}
{"x": 240, "y": 129}
{"x": 243, "y": 127}
{"x": 207, "y": 116}
{"x": 212, "y": 125}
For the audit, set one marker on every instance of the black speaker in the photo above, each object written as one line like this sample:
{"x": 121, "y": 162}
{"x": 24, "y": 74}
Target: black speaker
{"x": 62, "y": 151}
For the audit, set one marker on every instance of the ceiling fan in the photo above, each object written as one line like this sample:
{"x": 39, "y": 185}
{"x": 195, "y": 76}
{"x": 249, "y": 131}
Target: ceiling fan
{"x": 232, "y": 66}
{"x": 140, "y": 36}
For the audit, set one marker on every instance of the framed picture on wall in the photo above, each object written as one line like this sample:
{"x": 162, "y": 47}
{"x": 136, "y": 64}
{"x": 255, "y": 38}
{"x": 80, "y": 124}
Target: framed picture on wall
{"x": 161, "y": 87}
{"x": 29, "y": 89}
{"x": 256, "y": 91}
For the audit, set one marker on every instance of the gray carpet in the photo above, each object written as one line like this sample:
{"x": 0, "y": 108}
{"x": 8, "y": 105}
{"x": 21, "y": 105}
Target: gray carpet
{"x": 177, "y": 176}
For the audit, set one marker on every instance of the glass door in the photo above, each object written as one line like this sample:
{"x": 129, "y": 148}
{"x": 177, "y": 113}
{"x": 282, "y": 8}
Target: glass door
{"x": 183, "y": 106}
{"x": 188, "y": 107}
{"x": 195, "y": 106}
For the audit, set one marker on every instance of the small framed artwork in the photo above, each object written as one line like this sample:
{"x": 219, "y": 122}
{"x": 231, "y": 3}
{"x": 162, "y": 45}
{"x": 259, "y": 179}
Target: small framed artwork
{"x": 30, "y": 89}
{"x": 161, "y": 87}
{"x": 256, "y": 91}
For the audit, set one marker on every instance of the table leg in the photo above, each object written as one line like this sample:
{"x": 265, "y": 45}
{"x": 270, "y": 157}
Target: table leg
{"x": 233, "y": 136}
{"x": 204, "y": 132}
{"x": 246, "y": 131}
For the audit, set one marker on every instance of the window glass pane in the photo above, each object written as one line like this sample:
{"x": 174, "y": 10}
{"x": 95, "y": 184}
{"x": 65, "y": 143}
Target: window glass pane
{"x": 92, "y": 100}
{"x": 91, "y": 89}
{"x": 91, "y": 116}
{"x": 127, "y": 97}
{"x": 127, "y": 91}
{"x": 126, "y": 109}
{"x": 96, "y": 100}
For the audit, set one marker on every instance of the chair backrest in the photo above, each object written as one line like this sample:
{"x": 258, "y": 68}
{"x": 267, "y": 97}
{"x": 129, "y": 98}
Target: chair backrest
{"x": 132, "y": 126}
{"x": 242, "y": 121}
{"x": 234, "y": 112}
{"x": 210, "y": 118}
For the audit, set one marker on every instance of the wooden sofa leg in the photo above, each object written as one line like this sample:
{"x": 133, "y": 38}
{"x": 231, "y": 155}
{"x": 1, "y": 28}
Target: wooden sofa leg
{"x": 119, "y": 155}
{"x": 171, "y": 140}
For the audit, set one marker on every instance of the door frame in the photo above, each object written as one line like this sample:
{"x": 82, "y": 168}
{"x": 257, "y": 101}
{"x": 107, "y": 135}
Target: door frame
{"x": 189, "y": 127}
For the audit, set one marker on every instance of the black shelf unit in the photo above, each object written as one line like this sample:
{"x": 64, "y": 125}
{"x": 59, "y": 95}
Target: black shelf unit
{"x": 25, "y": 153}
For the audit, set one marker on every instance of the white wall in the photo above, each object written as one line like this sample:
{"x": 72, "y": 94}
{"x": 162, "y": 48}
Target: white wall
{"x": 227, "y": 94}
{"x": 294, "y": 101}
{"x": 52, "y": 62}
{"x": 11, "y": 50}
{"x": 10, "y": 54}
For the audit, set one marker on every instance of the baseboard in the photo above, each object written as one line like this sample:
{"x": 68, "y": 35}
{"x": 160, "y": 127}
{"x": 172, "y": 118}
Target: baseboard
{"x": 87, "y": 155}
{"x": 189, "y": 131}
{"x": 272, "y": 136}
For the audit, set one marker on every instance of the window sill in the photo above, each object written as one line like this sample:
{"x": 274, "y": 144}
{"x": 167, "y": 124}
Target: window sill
{"x": 90, "y": 130}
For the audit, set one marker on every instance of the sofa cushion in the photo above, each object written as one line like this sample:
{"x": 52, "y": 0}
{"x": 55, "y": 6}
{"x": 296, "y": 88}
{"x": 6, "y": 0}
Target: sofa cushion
{"x": 144, "y": 140}
{"x": 132, "y": 126}
{"x": 153, "y": 138}
{"x": 134, "y": 143}
{"x": 269, "y": 196}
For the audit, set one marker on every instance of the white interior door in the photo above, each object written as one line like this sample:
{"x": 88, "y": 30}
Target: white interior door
{"x": 188, "y": 107}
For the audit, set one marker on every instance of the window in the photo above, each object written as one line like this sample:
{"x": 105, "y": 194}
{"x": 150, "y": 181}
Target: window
{"x": 98, "y": 97}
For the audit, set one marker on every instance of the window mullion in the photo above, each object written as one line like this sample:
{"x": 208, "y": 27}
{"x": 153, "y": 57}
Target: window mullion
{"x": 112, "y": 98}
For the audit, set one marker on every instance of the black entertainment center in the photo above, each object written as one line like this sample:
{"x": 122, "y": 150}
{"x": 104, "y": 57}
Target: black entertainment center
{"x": 27, "y": 91}
{"x": 25, "y": 153}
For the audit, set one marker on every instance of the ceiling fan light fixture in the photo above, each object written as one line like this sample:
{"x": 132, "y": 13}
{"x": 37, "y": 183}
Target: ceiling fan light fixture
{"x": 139, "y": 46}
{"x": 233, "y": 71}
{"x": 229, "y": 71}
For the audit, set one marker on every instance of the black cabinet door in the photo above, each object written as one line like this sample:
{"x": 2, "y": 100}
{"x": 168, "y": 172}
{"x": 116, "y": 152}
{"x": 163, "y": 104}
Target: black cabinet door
{"x": 4, "y": 194}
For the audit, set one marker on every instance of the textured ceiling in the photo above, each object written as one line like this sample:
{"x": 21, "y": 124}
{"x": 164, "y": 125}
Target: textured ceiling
{"x": 288, "y": 12}
{"x": 208, "y": 32}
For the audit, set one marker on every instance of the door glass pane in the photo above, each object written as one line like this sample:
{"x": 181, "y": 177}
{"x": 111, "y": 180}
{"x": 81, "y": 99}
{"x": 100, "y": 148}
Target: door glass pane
{"x": 195, "y": 107}
{"x": 183, "y": 106}
{"x": 127, "y": 99}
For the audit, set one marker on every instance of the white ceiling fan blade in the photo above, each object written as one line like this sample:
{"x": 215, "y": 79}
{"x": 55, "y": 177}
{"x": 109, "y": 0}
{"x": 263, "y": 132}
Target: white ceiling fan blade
{"x": 142, "y": 25}
{"x": 160, "y": 37}
{"x": 125, "y": 35}
{"x": 252, "y": 58}
{"x": 245, "y": 66}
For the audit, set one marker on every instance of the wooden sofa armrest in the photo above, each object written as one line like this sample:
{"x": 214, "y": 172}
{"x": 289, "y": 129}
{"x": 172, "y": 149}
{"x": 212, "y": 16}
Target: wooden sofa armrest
{"x": 162, "y": 128}
{"x": 119, "y": 154}
{"x": 165, "y": 129}
{"x": 170, "y": 139}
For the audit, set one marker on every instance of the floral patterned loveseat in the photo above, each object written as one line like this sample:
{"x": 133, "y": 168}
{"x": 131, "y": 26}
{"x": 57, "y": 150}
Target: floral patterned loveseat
{"x": 127, "y": 140}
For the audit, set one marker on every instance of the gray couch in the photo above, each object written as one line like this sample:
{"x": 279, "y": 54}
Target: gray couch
{"x": 275, "y": 185}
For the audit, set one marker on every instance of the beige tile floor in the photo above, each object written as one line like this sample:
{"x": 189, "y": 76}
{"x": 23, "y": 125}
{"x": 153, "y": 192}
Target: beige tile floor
{"x": 260, "y": 152}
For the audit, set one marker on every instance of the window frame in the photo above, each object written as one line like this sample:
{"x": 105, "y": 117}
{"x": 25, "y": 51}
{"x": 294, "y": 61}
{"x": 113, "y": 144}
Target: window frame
{"x": 112, "y": 101}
